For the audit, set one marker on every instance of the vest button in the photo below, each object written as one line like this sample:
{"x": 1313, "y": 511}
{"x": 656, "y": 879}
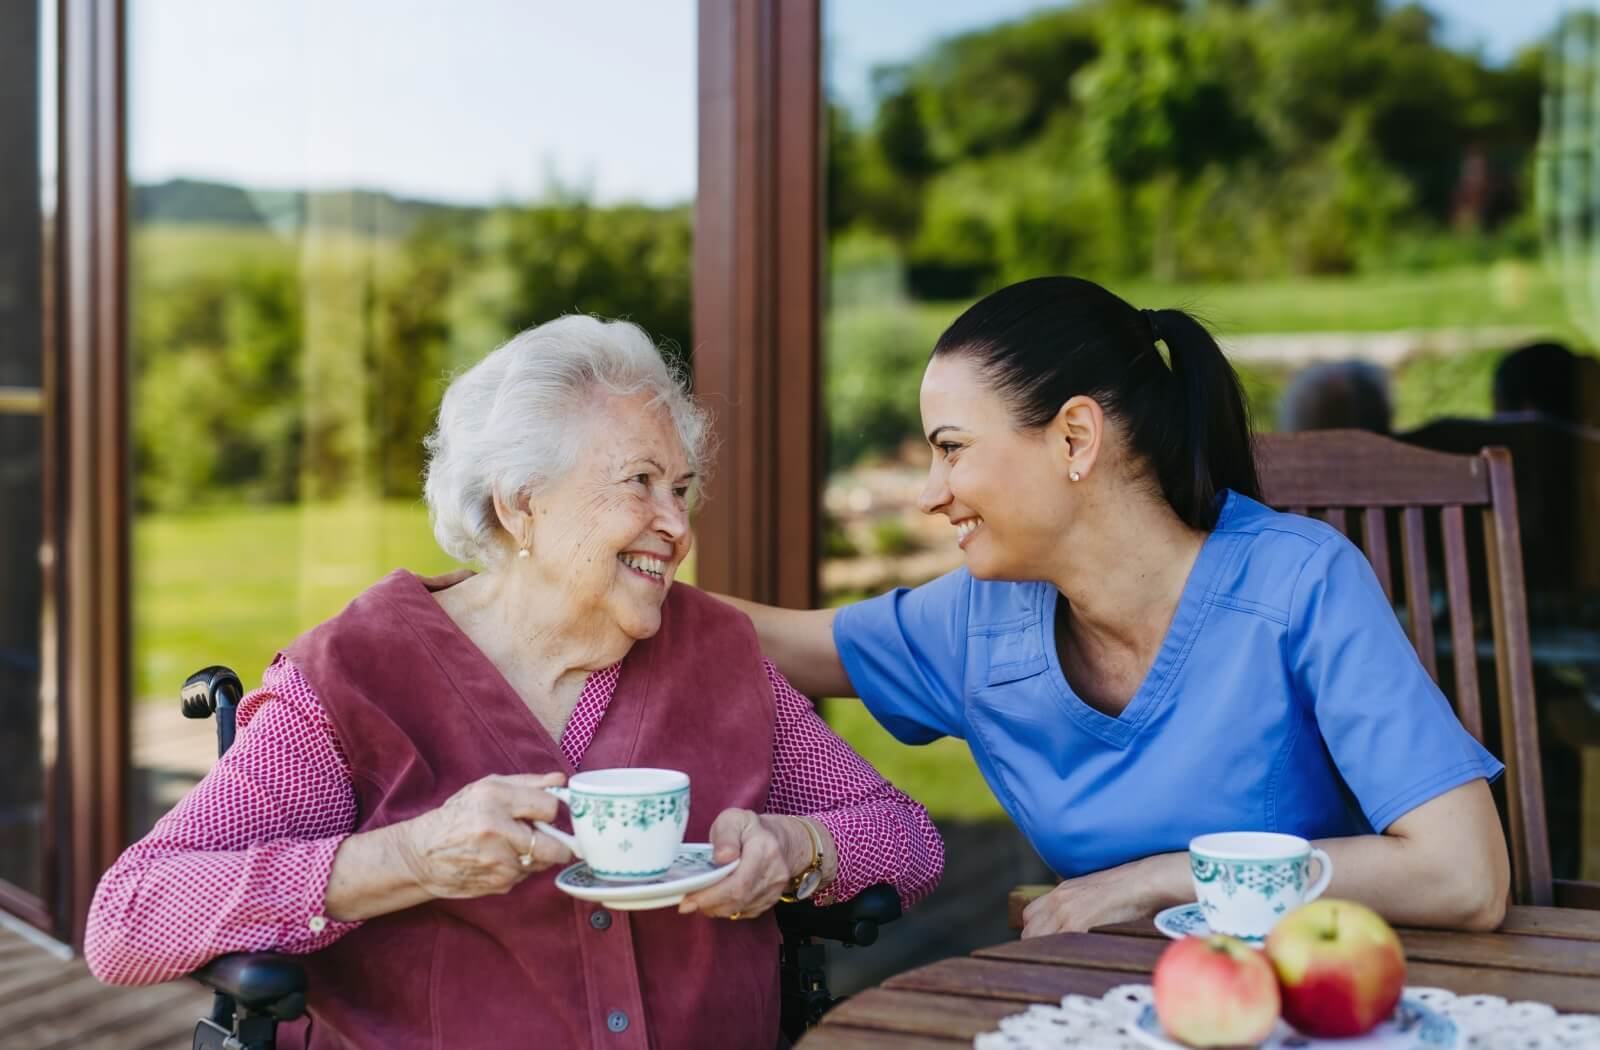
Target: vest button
{"x": 617, "y": 1021}
{"x": 600, "y": 919}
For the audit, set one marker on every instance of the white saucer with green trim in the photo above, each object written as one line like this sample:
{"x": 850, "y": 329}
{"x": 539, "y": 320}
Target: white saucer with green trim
{"x": 1184, "y": 920}
{"x": 692, "y": 869}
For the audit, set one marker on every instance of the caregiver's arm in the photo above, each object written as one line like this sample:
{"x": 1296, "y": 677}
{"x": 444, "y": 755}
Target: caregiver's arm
{"x": 799, "y": 642}
{"x": 1443, "y": 863}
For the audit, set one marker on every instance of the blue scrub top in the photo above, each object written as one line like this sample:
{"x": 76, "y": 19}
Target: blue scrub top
{"x": 1285, "y": 697}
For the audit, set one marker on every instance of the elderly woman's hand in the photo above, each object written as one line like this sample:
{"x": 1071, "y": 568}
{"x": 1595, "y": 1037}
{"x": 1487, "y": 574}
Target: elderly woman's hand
{"x": 770, "y": 849}
{"x": 480, "y": 842}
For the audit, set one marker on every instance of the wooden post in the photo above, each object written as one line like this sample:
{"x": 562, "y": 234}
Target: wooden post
{"x": 93, "y": 567}
{"x": 757, "y": 263}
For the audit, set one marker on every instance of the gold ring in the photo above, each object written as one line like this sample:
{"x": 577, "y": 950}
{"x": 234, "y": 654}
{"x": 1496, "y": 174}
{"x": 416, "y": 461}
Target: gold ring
{"x": 737, "y": 916}
{"x": 527, "y": 858}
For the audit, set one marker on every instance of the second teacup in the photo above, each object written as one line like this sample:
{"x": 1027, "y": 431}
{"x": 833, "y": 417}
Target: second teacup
{"x": 627, "y": 823}
{"x": 1246, "y": 880}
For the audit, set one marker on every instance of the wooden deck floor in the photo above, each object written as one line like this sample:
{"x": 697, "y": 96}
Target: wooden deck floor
{"x": 46, "y": 1003}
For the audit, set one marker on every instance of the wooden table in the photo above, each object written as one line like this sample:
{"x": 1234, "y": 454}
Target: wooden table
{"x": 1550, "y": 955}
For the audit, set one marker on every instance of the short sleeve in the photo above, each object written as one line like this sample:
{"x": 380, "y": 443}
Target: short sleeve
{"x": 905, "y": 653}
{"x": 1394, "y": 738}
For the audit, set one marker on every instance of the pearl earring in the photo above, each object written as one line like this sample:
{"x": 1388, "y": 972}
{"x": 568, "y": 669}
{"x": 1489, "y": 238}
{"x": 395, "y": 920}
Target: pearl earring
{"x": 522, "y": 552}
{"x": 1075, "y": 476}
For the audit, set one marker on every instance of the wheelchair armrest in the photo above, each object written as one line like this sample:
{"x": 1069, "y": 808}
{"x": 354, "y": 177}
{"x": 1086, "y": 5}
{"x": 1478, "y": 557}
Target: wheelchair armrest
{"x": 854, "y": 922}
{"x": 260, "y": 982}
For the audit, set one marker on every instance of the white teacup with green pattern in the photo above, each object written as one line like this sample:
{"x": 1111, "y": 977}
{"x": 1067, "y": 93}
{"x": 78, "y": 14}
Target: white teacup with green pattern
{"x": 1246, "y": 881}
{"x": 627, "y": 823}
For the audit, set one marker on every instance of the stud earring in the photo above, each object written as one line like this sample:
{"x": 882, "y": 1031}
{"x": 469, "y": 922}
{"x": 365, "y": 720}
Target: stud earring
{"x": 1075, "y": 476}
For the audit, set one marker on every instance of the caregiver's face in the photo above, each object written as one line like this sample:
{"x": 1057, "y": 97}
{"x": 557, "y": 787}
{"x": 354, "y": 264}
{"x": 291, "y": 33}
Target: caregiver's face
{"x": 998, "y": 485}
{"x": 614, "y": 529}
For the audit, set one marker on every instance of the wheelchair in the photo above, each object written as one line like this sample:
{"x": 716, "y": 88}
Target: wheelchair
{"x": 254, "y": 991}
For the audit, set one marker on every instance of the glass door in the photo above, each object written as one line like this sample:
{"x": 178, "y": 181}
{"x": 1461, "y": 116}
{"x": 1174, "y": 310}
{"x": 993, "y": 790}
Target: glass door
{"x": 331, "y": 208}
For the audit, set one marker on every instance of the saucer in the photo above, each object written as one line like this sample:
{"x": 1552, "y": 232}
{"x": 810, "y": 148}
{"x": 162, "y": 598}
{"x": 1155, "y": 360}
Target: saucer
{"x": 1412, "y": 1026}
{"x": 692, "y": 869}
{"x": 1189, "y": 920}
{"x": 1185, "y": 920}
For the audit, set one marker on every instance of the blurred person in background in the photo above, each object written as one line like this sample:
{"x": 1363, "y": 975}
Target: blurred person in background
{"x": 1337, "y": 395}
{"x": 1540, "y": 378}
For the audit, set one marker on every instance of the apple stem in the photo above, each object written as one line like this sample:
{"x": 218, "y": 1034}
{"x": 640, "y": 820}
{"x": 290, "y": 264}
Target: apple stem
{"x": 1332, "y": 931}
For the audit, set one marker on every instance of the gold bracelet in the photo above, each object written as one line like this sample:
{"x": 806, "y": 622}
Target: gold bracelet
{"x": 805, "y": 883}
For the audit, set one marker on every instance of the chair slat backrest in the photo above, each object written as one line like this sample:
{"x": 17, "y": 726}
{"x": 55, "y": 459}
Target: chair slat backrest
{"x": 1340, "y": 475}
{"x": 1453, "y": 529}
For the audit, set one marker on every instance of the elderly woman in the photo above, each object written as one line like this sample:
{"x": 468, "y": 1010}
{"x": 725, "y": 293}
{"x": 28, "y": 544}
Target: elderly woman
{"x": 1137, "y": 651}
{"x": 376, "y": 813}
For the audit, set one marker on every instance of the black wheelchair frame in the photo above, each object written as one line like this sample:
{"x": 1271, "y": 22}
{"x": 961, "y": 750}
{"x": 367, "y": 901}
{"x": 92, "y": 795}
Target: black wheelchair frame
{"x": 254, "y": 991}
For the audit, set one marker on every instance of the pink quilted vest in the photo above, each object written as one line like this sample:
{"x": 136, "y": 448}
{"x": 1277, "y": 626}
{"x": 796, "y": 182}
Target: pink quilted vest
{"x": 420, "y": 713}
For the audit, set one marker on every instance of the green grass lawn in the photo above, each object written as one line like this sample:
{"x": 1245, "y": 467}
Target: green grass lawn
{"x": 233, "y": 585}
{"x": 1505, "y": 294}
{"x": 940, "y": 775}
{"x": 1511, "y": 293}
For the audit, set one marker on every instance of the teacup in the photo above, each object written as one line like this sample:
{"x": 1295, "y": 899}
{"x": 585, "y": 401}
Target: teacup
{"x": 1246, "y": 881}
{"x": 627, "y": 823}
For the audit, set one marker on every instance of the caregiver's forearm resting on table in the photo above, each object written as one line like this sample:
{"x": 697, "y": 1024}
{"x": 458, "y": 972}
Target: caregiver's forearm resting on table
{"x": 799, "y": 642}
{"x": 1443, "y": 864}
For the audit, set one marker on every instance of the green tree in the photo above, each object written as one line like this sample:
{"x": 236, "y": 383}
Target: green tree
{"x": 1157, "y": 110}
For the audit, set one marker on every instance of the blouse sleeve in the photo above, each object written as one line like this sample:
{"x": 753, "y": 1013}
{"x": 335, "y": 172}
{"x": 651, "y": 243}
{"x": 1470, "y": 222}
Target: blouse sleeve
{"x": 906, "y": 652}
{"x": 242, "y": 862}
{"x": 880, "y": 834}
{"x": 1391, "y": 733}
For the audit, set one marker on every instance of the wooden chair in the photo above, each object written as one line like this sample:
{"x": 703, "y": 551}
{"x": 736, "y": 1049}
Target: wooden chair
{"x": 1358, "y": 482}
{"x": 1354, "y": 481}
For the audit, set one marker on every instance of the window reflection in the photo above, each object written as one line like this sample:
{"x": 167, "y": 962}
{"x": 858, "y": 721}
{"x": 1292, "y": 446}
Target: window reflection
{"x": 334, "y": 208}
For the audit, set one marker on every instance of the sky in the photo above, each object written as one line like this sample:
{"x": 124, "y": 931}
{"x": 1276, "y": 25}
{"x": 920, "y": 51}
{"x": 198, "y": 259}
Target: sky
{"x": 486, "y": 100}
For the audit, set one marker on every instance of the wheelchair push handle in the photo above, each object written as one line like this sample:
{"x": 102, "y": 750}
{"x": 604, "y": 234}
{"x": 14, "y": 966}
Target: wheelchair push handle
{"x": 213, "y": 690}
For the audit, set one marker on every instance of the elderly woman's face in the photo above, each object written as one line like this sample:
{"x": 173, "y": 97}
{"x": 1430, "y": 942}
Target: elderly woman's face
{"x": 614, "y": 529}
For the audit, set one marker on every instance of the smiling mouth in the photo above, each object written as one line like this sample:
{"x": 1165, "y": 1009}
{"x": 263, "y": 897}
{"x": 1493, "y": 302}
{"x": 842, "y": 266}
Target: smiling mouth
{"x": 650, "y": 568}
{"x": 965, "y": 529}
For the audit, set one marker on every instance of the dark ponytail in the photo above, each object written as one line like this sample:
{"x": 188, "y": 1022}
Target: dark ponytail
{"x": 1044, "y": 341}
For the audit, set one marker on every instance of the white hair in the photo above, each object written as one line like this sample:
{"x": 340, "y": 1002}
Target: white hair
{"x": 512, "y": 422}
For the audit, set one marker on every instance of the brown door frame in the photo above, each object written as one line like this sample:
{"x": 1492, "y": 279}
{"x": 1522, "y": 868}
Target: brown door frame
{"x": 757, "y": 268}
{"x": 91, "y": 497}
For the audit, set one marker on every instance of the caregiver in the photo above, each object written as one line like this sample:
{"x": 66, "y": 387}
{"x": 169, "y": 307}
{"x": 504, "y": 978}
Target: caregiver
{"x": 1136, "y": 650}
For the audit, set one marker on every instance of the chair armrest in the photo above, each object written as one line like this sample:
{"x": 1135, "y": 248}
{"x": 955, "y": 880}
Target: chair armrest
{"x": 260, "y": 982}
{"x": 854, "y": 922}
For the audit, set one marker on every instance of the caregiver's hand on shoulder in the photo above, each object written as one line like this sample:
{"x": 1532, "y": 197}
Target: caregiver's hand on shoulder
{"x": 474, "y": 844}
{"x": 446, "y": 579}
{"x": 1129, "y": 891}
{"x": 765, "y": 846}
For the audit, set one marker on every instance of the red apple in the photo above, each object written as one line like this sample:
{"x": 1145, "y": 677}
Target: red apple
{"x": 1215, "y": 991}
{"x": 1340, "y": 966}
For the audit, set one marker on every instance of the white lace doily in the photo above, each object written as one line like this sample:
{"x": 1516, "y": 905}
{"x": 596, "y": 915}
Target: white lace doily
{"x": 1483, "y": 1022}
